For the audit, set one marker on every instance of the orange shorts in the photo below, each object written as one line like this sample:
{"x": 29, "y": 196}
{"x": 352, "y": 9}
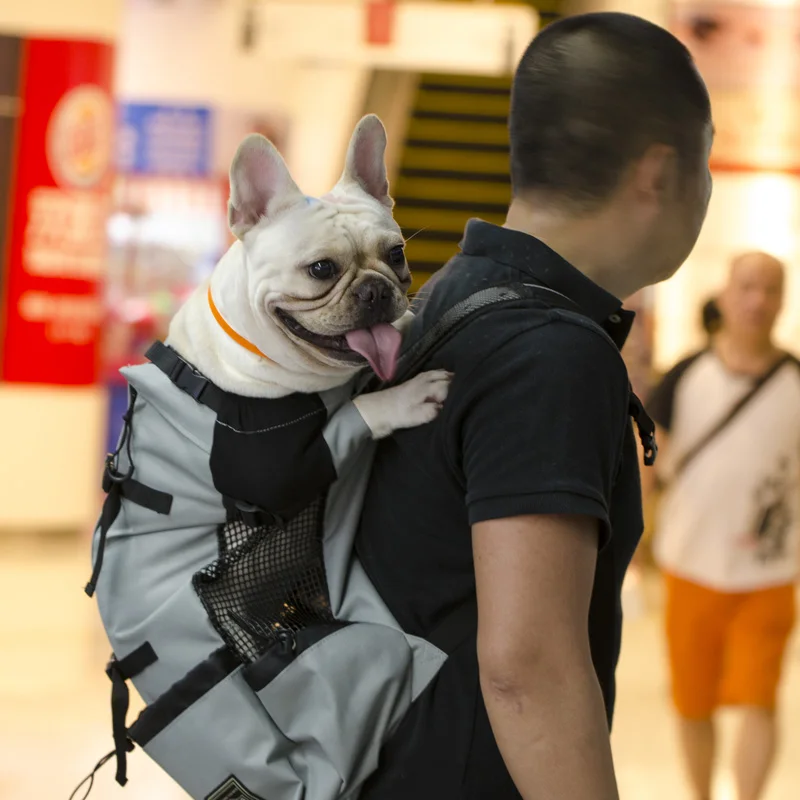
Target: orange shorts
{"x": 725, "y": 649}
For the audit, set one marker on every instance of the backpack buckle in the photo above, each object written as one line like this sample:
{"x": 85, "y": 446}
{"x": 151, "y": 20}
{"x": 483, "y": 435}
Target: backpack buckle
{"x": 187, "y": 379}
{"x": 650, "y": 447}
{"x": 646, "y": 428}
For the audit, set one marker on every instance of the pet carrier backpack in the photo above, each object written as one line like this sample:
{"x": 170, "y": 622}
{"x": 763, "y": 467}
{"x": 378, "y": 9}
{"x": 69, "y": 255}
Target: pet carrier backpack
{"x": 270, "y": 667}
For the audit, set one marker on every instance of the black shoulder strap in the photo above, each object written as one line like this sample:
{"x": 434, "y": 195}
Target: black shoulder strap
{"x": 732, "y": 414}
{"x": 456, "y": 317}
{"x": 185, "y": 376}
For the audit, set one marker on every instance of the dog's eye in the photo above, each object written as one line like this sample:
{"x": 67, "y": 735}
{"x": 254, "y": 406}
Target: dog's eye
{"x": 322, "y": 270}
{"x": 397, "y": 257}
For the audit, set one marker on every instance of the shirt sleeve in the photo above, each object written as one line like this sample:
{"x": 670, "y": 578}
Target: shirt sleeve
{"x": 661, "y": 402}
{"x": 541, "y": 425}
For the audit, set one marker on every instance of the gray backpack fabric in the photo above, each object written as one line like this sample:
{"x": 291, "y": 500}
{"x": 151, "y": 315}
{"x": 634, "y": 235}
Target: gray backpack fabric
{"x": 270, "y": 666}
{"x": 245, "y": 696}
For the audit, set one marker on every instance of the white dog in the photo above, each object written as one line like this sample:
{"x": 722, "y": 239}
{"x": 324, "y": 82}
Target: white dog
{"x": 312, "y": 291}
{"x": 216, "y": 512}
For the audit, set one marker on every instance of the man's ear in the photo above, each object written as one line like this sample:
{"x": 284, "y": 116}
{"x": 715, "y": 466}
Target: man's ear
{"x": 365, "y": 166}
{"x": 260, "y": 184}
{"x": 656, "y": 174}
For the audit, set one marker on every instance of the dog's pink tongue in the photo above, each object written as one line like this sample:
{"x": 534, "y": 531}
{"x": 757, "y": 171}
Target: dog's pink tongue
{"x": 380, "y": 346}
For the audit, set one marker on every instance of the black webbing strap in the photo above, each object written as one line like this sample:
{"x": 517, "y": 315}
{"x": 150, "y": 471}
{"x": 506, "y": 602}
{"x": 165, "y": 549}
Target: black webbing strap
{"x": 146, "y": 496}
{"x": 457, "y": 317}
{"x": 116, "y": 485}
{"x": 185, "y": 376}
{"x": 111, "y": 507}
{"x": 119, "y": 672}
{"x": 484, "y": 300}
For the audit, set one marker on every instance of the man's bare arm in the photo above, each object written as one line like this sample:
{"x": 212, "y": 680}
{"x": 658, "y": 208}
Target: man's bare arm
{"x": 534, "y": 580}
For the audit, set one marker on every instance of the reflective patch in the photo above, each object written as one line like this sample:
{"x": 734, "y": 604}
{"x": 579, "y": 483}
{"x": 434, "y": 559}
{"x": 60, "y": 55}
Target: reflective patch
{"x": 231, "y": 789}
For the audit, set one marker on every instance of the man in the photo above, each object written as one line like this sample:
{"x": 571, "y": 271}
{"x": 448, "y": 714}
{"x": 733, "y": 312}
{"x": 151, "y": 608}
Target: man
{"x": 526, "y": 489}
{"x": 727, "y": 535}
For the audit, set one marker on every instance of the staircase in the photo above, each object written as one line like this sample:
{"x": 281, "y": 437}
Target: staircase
{"x": 454, "y": 166}
{"x": 454, "y": 163}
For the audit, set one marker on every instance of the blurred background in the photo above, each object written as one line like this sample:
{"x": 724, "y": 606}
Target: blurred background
{"x": 118, "y": 120}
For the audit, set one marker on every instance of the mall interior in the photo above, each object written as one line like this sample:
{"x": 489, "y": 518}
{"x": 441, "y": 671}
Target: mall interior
{"x": 118, "y": 121}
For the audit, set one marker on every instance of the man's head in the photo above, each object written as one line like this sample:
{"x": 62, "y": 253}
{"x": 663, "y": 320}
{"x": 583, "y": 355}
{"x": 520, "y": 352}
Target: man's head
{"x": 752, "y": 299}
{"x": 610, "y": 117}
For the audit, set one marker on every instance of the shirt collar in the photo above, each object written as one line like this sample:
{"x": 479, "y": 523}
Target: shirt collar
{"x": 534, "y": 258}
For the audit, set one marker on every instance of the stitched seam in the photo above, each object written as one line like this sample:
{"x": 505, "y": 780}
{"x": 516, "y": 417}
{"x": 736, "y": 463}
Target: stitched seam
{"x": 274, "y": 427}
{"x": 548, "y": 491}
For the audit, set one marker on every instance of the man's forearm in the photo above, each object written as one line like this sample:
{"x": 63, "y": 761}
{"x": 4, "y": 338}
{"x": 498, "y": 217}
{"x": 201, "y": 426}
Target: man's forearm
{"x": 553, "y": 735}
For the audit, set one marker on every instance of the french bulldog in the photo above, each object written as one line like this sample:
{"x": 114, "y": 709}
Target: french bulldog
{"x": 312, "y": 291}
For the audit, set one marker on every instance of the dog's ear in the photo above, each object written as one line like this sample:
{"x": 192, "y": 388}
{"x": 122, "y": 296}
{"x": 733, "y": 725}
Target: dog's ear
{"x": 260, "y": 184}
{"x": 365, "y": 166}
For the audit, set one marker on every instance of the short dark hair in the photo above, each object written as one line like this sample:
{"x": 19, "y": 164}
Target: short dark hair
{"x": 711, "y": 316}
{"x": 591, "y": 93}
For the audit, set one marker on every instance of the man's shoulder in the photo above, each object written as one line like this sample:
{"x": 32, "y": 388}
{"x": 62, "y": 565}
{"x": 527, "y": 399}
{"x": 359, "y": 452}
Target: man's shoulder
{"x": 676, "y": 375}
{"x": 534, "y": 324}
{"x": 661, "y": 402}
{"x": 536, "y": 334}
{"x": 511, "y": 356}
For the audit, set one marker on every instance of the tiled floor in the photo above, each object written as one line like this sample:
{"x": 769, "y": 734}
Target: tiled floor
{"x": 54, "y": 718}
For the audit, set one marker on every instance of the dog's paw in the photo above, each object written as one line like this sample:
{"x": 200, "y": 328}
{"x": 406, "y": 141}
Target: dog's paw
{"x": 415, "y": 402}
{"x": 422, "y": 398}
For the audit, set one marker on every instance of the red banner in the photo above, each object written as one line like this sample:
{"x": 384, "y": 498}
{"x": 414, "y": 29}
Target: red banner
{"x": 53, "y": 305}
{"x": 380, "y": 21}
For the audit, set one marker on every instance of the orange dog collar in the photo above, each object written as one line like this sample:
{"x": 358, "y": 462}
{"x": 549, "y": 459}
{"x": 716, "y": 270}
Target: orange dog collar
{"x": 240, "y": 340}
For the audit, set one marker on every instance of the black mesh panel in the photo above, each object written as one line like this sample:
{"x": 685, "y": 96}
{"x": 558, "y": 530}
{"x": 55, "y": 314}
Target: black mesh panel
{"x": 267, "y": 580}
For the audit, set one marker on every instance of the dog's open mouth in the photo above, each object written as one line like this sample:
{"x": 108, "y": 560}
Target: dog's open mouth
{"x": 379, "y": 345}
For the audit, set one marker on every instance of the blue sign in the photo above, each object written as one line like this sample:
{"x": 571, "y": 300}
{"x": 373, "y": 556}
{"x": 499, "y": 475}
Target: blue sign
{"x": 164, "y": 140}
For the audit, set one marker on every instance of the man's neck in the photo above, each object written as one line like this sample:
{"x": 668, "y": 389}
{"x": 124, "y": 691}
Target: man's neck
{"x": 587, "y": 242}
{"x": 746, "y": 354}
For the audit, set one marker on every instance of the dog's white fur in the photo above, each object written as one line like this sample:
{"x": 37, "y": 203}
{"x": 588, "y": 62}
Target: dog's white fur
{"x": 280, "y": 233}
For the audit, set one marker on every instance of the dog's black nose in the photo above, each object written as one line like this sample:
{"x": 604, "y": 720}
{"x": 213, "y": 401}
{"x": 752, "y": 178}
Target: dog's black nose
{"x": 375, "y": 295}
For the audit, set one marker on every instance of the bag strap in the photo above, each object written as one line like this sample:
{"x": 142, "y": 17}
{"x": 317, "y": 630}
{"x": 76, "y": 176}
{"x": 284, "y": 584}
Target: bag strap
{"x": 456, "y": 317}
{"x": 185, "y": 376}
{"x": 122, "y": 485}
{"x": 732, "y": 414}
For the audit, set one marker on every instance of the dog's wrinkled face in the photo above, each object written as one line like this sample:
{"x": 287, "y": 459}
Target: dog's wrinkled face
{"x": 329, "y": 273}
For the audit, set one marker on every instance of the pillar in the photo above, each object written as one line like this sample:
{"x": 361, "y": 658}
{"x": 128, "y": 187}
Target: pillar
{"x": 56, "y": 164}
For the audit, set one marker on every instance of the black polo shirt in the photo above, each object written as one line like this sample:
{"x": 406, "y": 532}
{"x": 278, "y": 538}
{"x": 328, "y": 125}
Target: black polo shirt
{"x": 536, "y": 423}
